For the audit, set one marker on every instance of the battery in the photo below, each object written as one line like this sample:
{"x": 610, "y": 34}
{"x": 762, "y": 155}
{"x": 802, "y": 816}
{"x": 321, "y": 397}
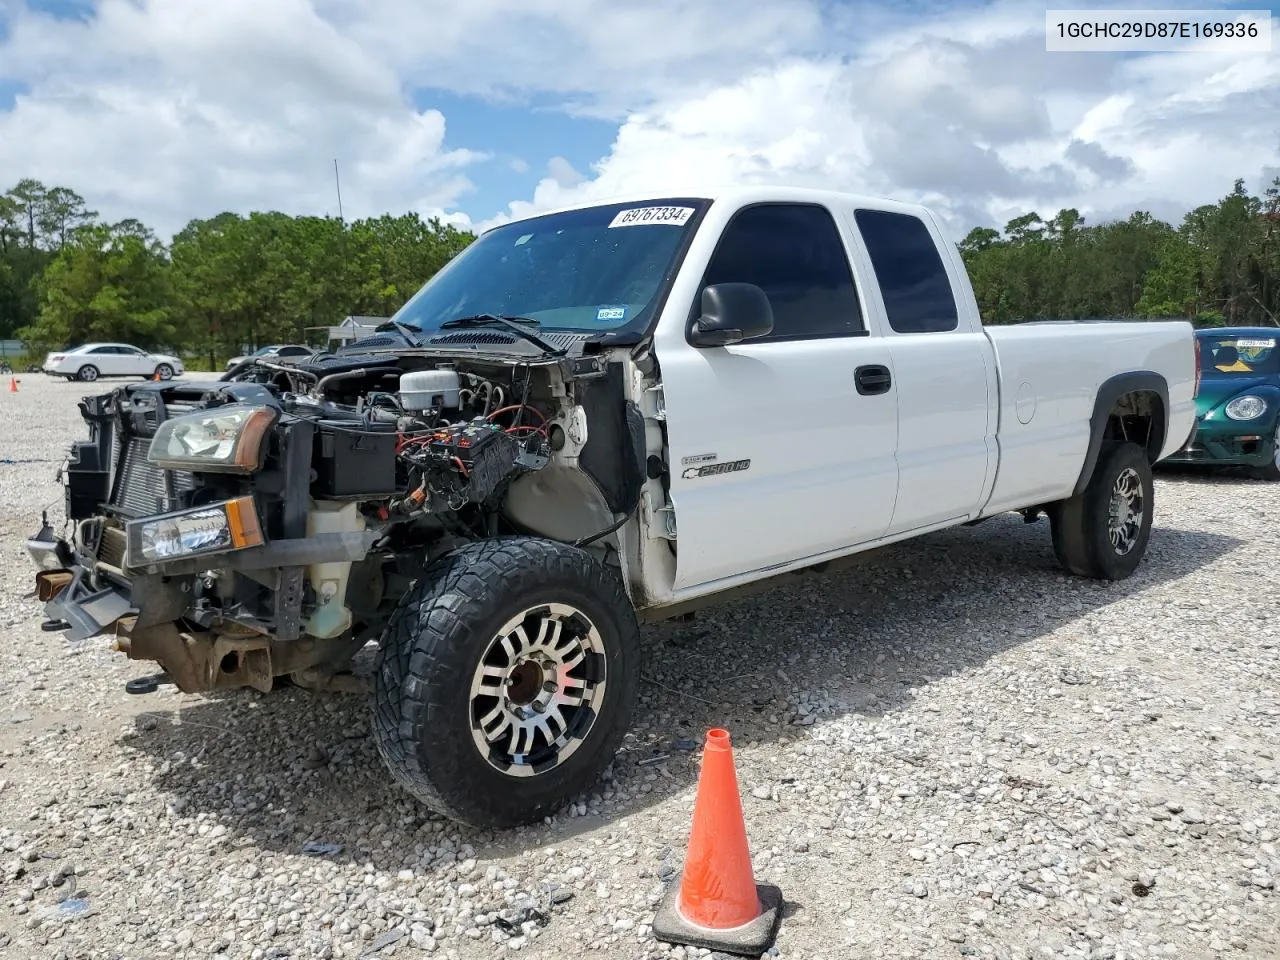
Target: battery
{"x": 467, "y": 443}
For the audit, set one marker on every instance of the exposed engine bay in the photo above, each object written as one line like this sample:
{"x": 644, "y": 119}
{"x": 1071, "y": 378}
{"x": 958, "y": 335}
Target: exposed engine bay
{"x": 267, "y": 523}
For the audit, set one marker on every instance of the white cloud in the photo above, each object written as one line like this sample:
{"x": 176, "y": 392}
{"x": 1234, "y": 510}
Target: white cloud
{"x": 966, "y": 113}
{"x": 171, "y": 110}
{"x": 603, "y": 56}
{"x": 167, "y": 109}
{"x": 562, "y": 172}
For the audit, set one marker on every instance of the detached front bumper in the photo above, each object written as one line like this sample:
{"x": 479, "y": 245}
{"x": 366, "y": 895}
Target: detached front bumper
{"x": 157, "y": 611}
{"x": 83, "y": 596}
{"x": 146, "y": 617}
{"x": 145, "y": 567}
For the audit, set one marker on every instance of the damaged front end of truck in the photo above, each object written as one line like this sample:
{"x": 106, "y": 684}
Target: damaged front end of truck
{"x": 478, "y": 487}
{"x": 266, "y": 526}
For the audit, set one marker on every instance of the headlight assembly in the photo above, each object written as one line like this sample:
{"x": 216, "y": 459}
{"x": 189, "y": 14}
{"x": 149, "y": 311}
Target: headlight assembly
{"x": 219, "y": 440}
{"x": 215, "y": 528}
{"x": 1247, "y": 407}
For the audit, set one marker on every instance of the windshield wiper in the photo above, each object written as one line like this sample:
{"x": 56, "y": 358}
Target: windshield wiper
{"x": 406, "y": 330}
{"x": 514, "y": 324}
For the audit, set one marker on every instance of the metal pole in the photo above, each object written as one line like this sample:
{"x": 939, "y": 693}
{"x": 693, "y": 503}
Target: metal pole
{"x": 338, "y": 184}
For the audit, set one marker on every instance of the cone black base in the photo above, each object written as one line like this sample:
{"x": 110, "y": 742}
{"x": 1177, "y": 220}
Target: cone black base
{"x": 749, "y": 940}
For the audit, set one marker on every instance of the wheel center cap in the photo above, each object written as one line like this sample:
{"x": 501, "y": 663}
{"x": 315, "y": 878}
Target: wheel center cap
{"x": 524, "y": 681}
{"x": 531, "y": 682}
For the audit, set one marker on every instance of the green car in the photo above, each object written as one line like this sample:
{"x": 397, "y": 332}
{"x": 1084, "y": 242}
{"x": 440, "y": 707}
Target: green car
{"x": 1238, "y": 401}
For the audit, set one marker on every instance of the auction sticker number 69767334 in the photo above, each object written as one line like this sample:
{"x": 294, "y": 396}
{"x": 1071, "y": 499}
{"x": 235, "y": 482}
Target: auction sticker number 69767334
{"x": 640, "y": 216}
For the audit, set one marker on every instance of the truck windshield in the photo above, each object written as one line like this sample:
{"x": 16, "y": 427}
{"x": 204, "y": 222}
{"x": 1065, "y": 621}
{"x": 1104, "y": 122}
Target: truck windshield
{"x": 1222, "y": 356}
{"x": 599, "y": 268}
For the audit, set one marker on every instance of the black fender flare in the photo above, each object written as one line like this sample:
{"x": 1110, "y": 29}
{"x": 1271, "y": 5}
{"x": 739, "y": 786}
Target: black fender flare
{"x": 1111, "y": 390}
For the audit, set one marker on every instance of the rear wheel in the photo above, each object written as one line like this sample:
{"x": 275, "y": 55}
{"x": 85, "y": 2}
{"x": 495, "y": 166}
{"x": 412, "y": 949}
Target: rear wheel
{"x": 88, "y": 373}
{"x": 1102, "y": 532}
{"x": 506, "y": 680}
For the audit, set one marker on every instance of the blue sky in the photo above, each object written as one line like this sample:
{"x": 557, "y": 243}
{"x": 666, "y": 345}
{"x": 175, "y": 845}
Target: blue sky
{"x": 173, "y": 109}
{"x": 523, "y": 139}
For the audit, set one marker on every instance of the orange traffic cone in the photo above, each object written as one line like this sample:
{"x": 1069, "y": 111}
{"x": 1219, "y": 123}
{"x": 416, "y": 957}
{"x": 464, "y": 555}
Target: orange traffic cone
{"x": 717, "y": 905}
{"x": 13, "y": 384}
{"x": 156, "y": 376}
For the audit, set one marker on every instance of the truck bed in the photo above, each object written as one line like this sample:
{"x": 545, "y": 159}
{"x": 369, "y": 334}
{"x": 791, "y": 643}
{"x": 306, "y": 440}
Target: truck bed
{"x": 1050, "y": 374}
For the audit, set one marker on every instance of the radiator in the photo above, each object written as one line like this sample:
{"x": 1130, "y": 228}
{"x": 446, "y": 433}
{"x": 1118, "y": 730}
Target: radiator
{"x": 111, "y": 547}
{"x": 139, "y": 487}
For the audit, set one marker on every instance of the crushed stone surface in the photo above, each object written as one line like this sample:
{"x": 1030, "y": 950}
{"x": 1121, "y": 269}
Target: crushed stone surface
{"x": 955, "y": 750}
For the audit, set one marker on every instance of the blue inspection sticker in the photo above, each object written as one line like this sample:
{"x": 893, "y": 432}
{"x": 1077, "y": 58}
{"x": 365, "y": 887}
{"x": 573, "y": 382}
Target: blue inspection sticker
{"x": 611, "y": 314}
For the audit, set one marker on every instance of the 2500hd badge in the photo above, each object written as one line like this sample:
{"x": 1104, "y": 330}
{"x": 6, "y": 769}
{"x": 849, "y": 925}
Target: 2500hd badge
{"x": 715, "y": 469}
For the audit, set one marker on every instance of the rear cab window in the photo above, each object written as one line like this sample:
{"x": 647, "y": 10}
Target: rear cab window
{"x": 908, "y": 267}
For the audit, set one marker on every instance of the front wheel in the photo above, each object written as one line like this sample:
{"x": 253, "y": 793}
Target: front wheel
{"x": 506, "y": 680}
{"x": 164, "y": 372}
{"x": 1102, "y": 532}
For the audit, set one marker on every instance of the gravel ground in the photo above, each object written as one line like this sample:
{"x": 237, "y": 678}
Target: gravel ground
{"x": 955, "y": 751}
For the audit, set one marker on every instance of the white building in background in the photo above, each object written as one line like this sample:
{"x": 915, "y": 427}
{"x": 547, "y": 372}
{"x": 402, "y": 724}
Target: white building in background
{"x": 352, "y": 328}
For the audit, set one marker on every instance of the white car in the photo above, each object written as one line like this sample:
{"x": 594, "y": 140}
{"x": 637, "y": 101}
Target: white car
{"x": 93, "y": 360}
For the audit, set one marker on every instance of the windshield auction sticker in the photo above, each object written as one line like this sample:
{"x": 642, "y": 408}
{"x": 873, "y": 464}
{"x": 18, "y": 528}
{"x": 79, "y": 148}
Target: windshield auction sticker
{"x": 639, "y": 216}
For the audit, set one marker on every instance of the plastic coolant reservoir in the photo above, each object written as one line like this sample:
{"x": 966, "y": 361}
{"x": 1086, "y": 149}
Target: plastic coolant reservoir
{"x": 424, "y": 389}
{"x": 329, "y": 580}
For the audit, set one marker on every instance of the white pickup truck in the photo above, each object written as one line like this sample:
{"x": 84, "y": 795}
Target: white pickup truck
{"x": 590, "y": 418}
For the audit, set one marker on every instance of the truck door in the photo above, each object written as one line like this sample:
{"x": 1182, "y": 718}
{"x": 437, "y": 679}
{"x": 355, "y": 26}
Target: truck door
{"x": 945, "y": 371}
{"x": 781, "y": 447}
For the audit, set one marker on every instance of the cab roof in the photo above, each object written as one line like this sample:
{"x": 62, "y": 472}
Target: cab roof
{"x": 736, "y": 196}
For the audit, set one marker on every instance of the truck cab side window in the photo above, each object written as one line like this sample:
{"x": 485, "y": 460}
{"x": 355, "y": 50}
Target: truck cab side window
{"x": 917, "y": 292}
{"x": 794, "y": 253}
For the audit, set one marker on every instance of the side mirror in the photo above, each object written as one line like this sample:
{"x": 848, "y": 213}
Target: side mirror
{"x": 732, "y": 312}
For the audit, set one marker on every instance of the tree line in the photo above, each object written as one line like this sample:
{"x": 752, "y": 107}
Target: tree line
{"x": 1219, "y": 266}
{"x": 220, "y": 285}
{"x": 232, "y": 281}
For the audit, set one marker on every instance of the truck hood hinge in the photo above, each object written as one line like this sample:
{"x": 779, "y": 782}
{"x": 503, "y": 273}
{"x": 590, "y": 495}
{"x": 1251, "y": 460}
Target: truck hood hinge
{"x": 660, "y": 521}
{"x": 655, "y": 403}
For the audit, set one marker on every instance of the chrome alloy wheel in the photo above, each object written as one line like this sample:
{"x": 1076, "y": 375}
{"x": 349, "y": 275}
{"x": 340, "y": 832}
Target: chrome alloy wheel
{"x": 536, "y": 692}
{"x": 1125, "y": 513}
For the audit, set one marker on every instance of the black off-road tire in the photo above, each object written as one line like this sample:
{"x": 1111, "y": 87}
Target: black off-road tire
{"x": 431, "y": 651}
{"x": 1081, "y": 525}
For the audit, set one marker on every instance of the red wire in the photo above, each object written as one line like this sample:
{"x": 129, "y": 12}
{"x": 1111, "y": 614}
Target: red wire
{"x": 518, "y": 406}
{"x": 403, "y": 443}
